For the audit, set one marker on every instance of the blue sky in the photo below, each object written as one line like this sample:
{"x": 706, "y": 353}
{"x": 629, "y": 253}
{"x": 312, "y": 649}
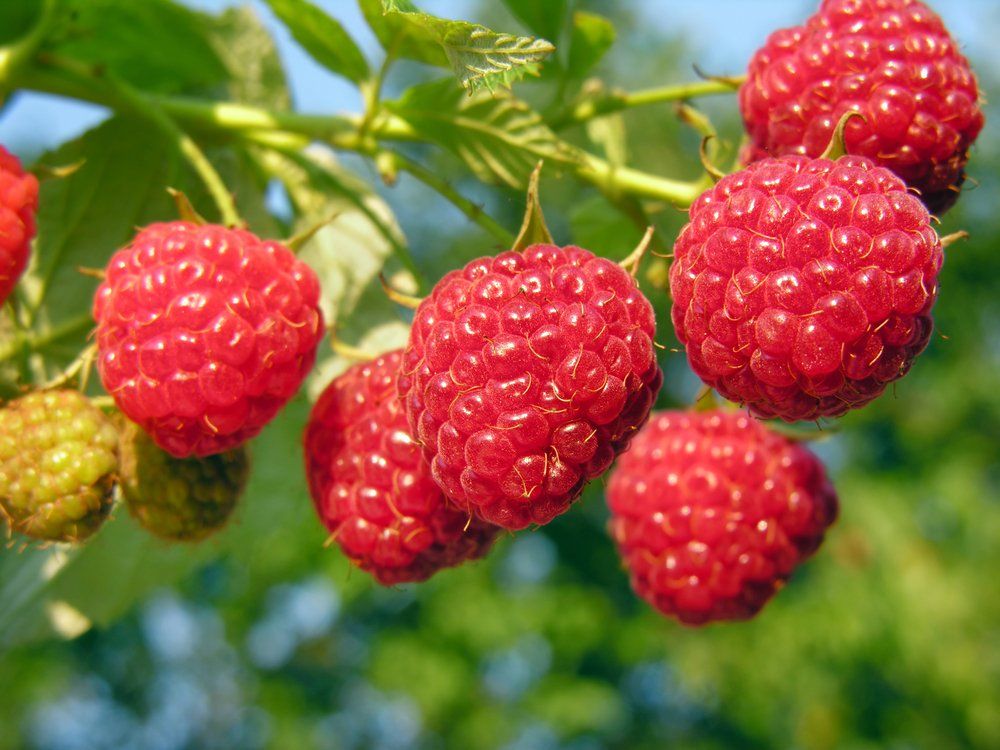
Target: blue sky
{"x": 723, "y": 39}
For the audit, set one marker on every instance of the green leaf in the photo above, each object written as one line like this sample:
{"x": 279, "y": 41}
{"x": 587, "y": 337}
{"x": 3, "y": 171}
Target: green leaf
{"x": 546, "y": 18}
{"x": 479, "y": 57}
{"x": 245, "y": 47}
{"x": 323, "y": 38}
{"x": 403, "y": 35}
{"x": 499, "y": 137}
{"x": 17, "y": 19}
{"x": 591, "y": 37}
{"x": 156, "y": 45}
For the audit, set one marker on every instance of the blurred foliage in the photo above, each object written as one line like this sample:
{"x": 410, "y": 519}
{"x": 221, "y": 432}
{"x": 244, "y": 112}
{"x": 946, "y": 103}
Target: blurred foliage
{"x": 890, "y": 637}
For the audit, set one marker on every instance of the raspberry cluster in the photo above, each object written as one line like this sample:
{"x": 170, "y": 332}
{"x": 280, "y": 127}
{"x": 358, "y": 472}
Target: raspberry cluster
{"x": 713, "y": 511}
{"x": 58, "y": 458}
{"x": 204, "y": 333}
{"x": 802, "y": 287}
{"x": 525, "y": 375}
{"x": 893, "y": 62}
{"x": 372, "y": 488}
{"x": 18, "y": 204}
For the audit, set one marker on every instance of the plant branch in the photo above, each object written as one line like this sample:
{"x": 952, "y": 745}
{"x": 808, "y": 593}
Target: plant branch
{"x": 36, "y": 341}
{"x": 615, "y": 101}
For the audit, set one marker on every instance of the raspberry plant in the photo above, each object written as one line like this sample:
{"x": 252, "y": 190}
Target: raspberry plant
{"x": 170, "y": 292}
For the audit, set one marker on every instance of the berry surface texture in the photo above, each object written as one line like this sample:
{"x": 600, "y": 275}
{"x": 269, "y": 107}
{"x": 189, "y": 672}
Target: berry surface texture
{"x": 372, "y": 487}
{"x": 525, "y": 375}
{"x": 58, "y": 458}
{"x": 712, "y": 512}
{"x": 891, "y": 61}
{"x": 204, "y": 333}
{"x": 802, "y": 287}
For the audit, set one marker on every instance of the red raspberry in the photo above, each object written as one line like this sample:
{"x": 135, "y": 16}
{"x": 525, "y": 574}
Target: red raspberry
{"x": 894, "y": 62}
{"x": 18, "y": 204}
{"x": 712, "y": 512}
{"x": 801, "y": 287}
{"x": 525, "y": 375}
{"x": 205, "y": 333}
{"x": 372, "y": 488}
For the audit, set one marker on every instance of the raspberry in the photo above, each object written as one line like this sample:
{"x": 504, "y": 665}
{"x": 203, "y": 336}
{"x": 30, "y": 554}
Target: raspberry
{"x": 525, "y": 375}
{"x": 713, "y": 511}
{"x": 801, "y": 287}
{"x": 204, "y": 333}
{"x": 18, "y": 203}
{"x": 372, "y": 488}
{"x": 58, "y": 457}
{"x": 180, "y": 499}
{"x": 894, "y": 62}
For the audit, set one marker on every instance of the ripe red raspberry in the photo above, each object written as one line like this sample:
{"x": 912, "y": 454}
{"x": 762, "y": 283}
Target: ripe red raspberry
{"x": 18, "y": 203}
{"x": 894, "y": 62}
{"x": 712, "y": 512}
{"x": 204, "y": 333}
{"x": 525, "y": 375}
{"x": 372, "y": 488}
{"x": 801, "y": 287}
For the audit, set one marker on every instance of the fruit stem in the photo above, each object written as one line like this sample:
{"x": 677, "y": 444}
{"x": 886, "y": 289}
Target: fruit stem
{"x": 615, "y": 101}
{"x": 36, "y": 341}
{"x": 13, "y": 56}
{"x": 472, "y": 210}
{"x": 125, "y": 96}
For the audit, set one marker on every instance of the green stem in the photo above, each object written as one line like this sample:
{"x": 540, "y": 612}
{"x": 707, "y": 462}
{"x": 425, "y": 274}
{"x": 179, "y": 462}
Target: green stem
{"x": 37, "y": 341}
{"x": 13, "y": 56}
{"x": 342, "y": 132}
{"x": 128, "y": 98}
{"x": 472, "y": 210}
{"x": 617, "y": 101}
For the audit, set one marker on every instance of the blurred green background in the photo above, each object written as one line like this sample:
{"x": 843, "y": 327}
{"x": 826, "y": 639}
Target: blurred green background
{"x": 888, "y": 638}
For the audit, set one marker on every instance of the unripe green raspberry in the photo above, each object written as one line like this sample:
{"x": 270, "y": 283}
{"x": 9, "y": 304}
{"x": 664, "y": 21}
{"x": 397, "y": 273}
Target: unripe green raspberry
{"x": 180, "y": 499}
{"x": 58, "y": 458}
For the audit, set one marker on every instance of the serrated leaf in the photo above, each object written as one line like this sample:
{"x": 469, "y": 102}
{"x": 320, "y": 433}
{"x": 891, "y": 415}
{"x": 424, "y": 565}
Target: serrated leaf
{"x": 248, "y": 52}
{"x": 546, "y": 18}
{"x": 322, "y": 37}
{"x": 156, "y": 45}
{"x": 591, "y": 37}
{"x": 480, "y": 58}
{"x": 499, "y": 137}
{"x": 402, "y": 35}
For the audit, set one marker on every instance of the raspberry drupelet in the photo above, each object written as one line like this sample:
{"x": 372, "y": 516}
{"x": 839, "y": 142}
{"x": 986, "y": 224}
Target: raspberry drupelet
{"x": 802, "y": 287}
{"x": 372, "y": 487}
{"x": 525, "y": 375}
{"x": 712, "y": 512}
{"x": 204, "y": 333}
{"x": 893, "y": 62}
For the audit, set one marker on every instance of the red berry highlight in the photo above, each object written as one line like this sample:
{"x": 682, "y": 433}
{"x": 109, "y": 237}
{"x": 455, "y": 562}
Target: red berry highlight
{"x": 18, "y": 204}
{"x": 892, "y": 61}
{"x": 525, "y": 375}
{"x": 204, "y": 333}
{"x": 372, "y": 487}
{"x": 713, "y": 511}
{"x": 802, "y": 287}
